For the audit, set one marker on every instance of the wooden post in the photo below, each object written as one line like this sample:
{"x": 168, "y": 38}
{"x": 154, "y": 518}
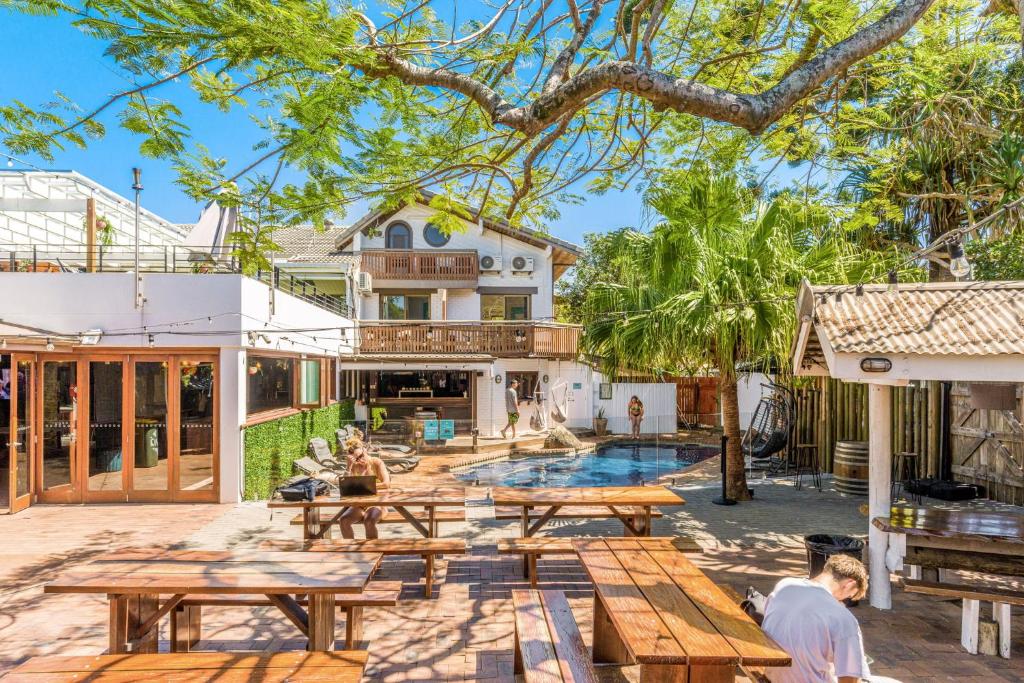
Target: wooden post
{"x": 880, "y": 475}
{"x": 90, "y": 235}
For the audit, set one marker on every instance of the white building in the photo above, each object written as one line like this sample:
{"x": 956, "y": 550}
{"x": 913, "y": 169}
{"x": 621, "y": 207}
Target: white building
{"x": 445, "y": 322}
{"x": 115, "y": 388}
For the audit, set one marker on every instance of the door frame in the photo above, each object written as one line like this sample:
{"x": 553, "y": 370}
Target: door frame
{"x": 178, "y": 495}
{"x": 18, "y": 503}
{"x": 70, "y": 492}
{"x": 85, "y": 495}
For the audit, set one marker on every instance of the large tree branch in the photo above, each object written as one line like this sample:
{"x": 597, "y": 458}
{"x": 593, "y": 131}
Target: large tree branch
{"x": 753, "y": 112}
{"x": 565, "y": 58}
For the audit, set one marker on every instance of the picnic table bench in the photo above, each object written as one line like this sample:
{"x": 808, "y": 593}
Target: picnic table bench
{"x": 532, "y": 548}
{"x": 632, "y": 505}
{"x": 186, "y": 617}
{"x": 548, "y": 645}
{"x": 134, "y": 581}
{"x": 194, "y": 667}
{"x": 398, "y": 498}
{"x": 427, "y": 548}
{"x": 655, "y": 608}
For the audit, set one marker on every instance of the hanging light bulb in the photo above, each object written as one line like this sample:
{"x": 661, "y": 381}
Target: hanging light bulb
{"x": 10, "y": 163}
{"x": 152, "y": 341}
{"x": 840, "y": 304}
{"x": 893, "y": 287}
{"x": 959, "y": 266}
{"x": 3, "y": 343}
{"x": 49, "y": 344}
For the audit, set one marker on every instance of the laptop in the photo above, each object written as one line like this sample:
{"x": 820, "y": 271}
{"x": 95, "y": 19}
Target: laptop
{"x": 358, "y": 486}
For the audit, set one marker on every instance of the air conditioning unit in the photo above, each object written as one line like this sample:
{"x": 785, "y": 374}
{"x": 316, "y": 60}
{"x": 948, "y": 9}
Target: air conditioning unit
{"x": 364, "y": 283}
{"x": 490, "y": 264}
{"x": 522, "y": 264}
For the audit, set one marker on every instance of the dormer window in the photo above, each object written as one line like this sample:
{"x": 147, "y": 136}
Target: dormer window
{"x": 433, "y": 235}
{"x": 398, "y": 236}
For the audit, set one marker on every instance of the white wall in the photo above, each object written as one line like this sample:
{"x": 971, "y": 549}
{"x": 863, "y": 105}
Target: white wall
{"x": 562, "y": 375}
{"x": 486, "y": 243}
{"x": 659, "y": 401}
{"x": 749, "y": 392}
{"x": 203, "y": 311}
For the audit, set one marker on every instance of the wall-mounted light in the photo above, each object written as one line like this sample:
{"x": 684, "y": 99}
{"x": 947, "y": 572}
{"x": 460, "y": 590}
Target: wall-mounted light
{"x": 498, "y": 379}
{"x": 91, "y": 337}
{"x": 252, "y": 338}
{"x": 875, "y": 364}
{"x": 49, "y": 344}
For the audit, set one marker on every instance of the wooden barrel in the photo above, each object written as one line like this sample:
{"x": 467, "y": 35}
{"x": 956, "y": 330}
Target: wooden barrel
{"x": 850, "y": 466}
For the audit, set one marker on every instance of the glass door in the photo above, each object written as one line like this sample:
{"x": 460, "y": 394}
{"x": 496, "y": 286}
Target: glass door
{"x": 150, "y": 466}
{"x": 21, "y": 388}
{"x": 196, "y": 467}
{"x": 59, "y": 447}
{"x": 104, "y": 473}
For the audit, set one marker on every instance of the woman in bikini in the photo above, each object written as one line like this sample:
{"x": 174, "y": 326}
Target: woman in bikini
{"x": 361, "y": 463}
{"x": 636, "y": 415}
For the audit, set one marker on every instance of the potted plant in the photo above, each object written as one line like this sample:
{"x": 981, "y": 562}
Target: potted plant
{"x": 600, "y": 423}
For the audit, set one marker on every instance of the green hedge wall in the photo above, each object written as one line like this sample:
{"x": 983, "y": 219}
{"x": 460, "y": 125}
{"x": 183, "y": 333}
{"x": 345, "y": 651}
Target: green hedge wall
{"x": 272, "y": 447}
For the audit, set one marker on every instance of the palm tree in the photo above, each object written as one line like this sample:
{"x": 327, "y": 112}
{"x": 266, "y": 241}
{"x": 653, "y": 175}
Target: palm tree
{"x": 713, "y": 286}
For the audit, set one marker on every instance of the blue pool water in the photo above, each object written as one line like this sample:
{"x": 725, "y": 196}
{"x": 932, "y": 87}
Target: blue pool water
{"x": 613, "y": 465}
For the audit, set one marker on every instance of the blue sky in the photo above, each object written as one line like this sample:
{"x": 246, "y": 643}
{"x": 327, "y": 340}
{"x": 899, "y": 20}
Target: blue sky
{"x": 43, "y": 54}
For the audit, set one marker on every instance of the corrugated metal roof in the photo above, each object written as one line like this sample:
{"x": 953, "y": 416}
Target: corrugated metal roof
{"x": 936, "y": 318}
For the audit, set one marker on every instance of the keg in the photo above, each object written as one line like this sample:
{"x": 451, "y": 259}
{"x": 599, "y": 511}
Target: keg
{"x": 850, "y": 467}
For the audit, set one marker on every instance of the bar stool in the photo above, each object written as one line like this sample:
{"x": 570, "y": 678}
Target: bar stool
{"x": 904, "y": 464}
{"x": 807, "y": 461}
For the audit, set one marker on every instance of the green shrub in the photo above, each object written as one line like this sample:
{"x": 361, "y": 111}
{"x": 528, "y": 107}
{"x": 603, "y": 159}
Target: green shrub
{"x": 272, "y": 447}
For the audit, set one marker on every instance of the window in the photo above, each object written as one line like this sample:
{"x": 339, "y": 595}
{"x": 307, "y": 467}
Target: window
{"x": 309, "y": 382}
{"x": 405, "y": 307}
{"x": 527, "y": 383}
{"x": 270, "y": 384}
{"x": 504, "y": 307}
{"x": 398, "y": 236}
{"x": 433, "y": 235}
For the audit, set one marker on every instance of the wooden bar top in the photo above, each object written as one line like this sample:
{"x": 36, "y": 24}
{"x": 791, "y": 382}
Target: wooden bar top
{"x": 449, "y": 496}
{"x": 667, "y": 611}
{"x": 604, "y": 495}
{"x": 975, "y": 525}
{"x": 230, "y": 572}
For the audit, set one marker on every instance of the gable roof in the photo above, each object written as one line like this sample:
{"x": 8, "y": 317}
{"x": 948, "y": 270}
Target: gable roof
{"x": 564, "y": 253}
{"x": 967, "y": 319}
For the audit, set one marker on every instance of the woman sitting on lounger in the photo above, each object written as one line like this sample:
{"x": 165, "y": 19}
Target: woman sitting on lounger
{"x": 360, "y": 463}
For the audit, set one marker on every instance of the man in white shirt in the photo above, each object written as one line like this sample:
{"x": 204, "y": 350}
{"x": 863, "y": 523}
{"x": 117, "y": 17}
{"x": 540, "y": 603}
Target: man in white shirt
{"x": 808, "y": 619}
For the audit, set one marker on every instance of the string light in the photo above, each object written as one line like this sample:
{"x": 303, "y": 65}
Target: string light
{"x": 152, "y": 341}
{"x": 49, "y": 344}
{"x": 3, "y": 343}
{"x": 959, "y": 266}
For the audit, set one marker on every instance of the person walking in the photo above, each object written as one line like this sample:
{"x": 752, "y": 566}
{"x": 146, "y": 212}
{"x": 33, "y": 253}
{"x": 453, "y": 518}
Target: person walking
{"x": 636, "y": 415}
{"x": 511, "y": 407}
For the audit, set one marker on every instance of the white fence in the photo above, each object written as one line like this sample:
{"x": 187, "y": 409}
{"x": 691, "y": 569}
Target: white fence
{"x": 659, "y": 406}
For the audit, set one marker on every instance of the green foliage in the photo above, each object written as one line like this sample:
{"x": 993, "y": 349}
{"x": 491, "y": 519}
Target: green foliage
{"x": 999, "y": 259}
{"x": 271, "y": 447}
{"x": 605, "y": 255}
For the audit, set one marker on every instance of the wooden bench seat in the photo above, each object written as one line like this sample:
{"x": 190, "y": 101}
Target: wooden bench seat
{"x": 548, "y": 644}
{"x": 186, "y": 618}
{"x": 427, "y": 548}
{"x": 533, "y": 547}
{"x": 756, "y": 674}
{"x": 503, "y": 512}
{"x": 195, "y": 667}
{"x": 972, "y": 597}
{"x": 392, "y": 517}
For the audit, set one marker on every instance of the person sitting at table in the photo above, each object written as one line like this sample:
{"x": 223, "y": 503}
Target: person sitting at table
{"x": 361, "y": 463}
{"x": 808, "y": 619}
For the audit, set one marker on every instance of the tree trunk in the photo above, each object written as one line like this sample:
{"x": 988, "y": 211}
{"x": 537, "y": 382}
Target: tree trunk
{"x": 736, "y": 477}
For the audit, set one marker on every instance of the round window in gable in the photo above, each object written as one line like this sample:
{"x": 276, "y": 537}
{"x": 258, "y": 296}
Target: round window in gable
{"x": 434, "y": 236}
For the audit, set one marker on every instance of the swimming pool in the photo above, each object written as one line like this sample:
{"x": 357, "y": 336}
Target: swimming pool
{"x": 611, "y": 465}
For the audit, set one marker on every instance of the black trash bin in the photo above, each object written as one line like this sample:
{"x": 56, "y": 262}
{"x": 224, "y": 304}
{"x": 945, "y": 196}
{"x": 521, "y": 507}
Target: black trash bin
{"x": 822, "y": 546}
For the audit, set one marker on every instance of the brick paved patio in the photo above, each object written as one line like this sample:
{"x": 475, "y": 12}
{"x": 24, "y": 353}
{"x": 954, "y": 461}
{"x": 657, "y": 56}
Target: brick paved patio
{"x": 465, "y": 632}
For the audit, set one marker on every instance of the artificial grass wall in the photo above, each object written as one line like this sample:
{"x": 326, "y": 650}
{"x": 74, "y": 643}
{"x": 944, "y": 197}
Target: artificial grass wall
{"x": 272, "y": 447}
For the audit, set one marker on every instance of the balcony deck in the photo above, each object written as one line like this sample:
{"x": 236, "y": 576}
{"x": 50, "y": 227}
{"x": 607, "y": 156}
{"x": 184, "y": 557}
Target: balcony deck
{"x": 404, "y": 266}
{"x": 512, "y": 339}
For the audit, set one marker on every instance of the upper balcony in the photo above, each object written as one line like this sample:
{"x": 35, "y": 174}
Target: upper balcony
{"x": 506, "y": 339}
{"x": 77, "y": 258}
{"x": 404, "y": 267}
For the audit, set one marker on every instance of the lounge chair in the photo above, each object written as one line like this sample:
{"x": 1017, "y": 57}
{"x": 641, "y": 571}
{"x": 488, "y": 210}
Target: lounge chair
{"x": 398, "y": 459}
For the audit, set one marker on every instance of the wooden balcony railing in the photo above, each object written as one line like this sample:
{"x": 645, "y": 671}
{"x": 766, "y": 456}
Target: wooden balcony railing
{"x": 503, "y": 339}
{"x": 395, "y": 264}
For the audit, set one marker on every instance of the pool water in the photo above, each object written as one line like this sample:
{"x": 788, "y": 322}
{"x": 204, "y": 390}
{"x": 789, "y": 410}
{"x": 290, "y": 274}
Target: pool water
{"x": 613, "y": 465}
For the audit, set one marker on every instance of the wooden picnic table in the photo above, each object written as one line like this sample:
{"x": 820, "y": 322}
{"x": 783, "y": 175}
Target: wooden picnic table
{"x": 972, "y": 540}
{"x": 630, "y": 504}
{"x": 654, "y": 607}
{"x": 135, "y": 580}
{"x": 399, "y": 498}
